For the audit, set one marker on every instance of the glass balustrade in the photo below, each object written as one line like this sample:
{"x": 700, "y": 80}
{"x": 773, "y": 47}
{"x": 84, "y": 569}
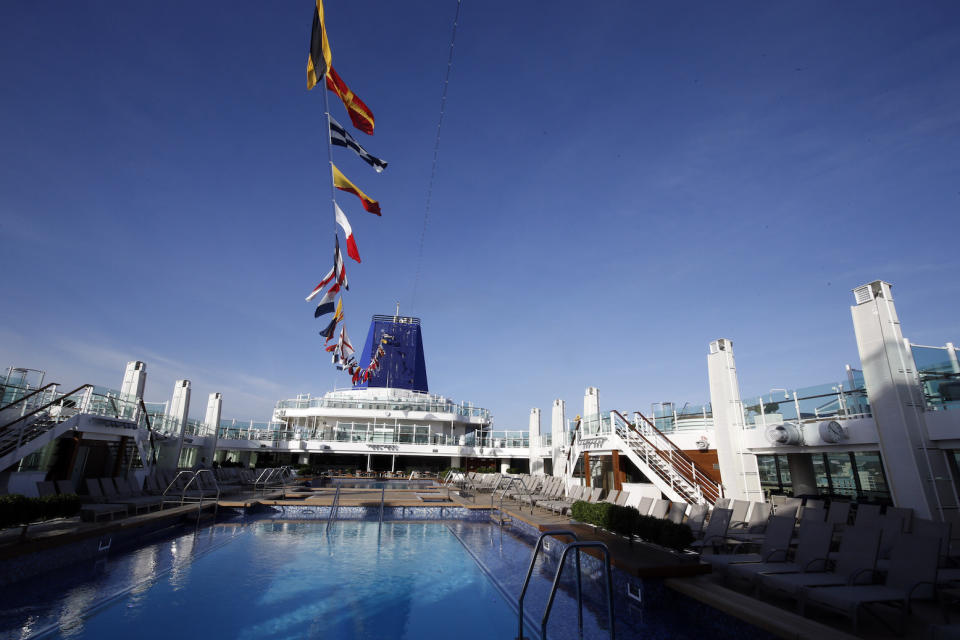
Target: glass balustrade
{"x": 939, "y": 373}
{"x": 431, "y": 404}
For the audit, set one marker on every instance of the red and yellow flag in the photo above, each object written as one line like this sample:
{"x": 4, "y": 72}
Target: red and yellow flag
{"x": 360, "y": 114}
{"x": 320, "y": 58}
{"x": 341, "y": 182}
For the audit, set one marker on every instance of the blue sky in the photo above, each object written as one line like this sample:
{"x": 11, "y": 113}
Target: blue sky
{"x": 619, "y": 183}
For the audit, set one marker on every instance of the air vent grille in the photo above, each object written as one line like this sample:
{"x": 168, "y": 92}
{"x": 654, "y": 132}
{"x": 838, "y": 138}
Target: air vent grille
{"x": 863, "y": 294}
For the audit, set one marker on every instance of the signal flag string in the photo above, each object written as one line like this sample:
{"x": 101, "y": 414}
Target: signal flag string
{"x": 436, "y": 155}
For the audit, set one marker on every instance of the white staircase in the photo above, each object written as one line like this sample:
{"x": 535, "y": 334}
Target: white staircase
{"x": 656, "y": 456}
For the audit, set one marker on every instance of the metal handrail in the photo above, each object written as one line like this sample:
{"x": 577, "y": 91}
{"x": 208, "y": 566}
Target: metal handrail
{"x": 173, "y": 482}
{"x": 29, "y": 395}
{"x": 533, "y": 562}
{"x": 701, "y": 486}
{"x": 263, "y": 478}
{"x": 503, "y": 494}
{"x": 383, "y": 493}
{"x": 333, "y": 506}
{"x": 494, "y": 490}
{"x": 556, "y": 583}
{"x": 47, "y": 405}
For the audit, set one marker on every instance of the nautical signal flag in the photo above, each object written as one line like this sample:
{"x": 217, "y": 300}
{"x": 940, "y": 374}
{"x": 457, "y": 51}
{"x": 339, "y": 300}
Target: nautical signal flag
{"x": 360, "y": 114}
{"x": 339, "y": 267}
{"x": 338, "y": 271}
{"x": 320, "y": 58}
{"x": 348, "y": 232}
{"x": 325, "y": 305}
{"x": 327, "y": 279}
{"x": 340, "y": 182}
{"x": 331, "y": 329}
{"x": 342, "y": 138}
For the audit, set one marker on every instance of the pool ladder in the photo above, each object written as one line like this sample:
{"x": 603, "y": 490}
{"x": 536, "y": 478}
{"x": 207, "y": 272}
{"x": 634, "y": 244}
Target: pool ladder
{"x": 383, "y": 493}
{"x": 510, "y": 483}
{"x": 334, "y": 507}
{"x": 576, "y": 545}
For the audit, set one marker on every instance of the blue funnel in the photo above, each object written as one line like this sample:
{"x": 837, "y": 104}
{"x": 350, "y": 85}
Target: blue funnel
{"x": 402, "y": 365}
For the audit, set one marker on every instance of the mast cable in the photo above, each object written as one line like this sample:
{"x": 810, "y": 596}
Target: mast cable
{"x": 436, "y": 154}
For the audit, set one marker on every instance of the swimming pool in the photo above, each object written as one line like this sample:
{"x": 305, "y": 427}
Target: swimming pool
{"x": 273, "y": 580}
{"x": 275, "y": 575}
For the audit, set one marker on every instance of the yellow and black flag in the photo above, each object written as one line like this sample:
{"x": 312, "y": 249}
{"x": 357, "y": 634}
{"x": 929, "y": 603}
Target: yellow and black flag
{"x": 320, "y": 59}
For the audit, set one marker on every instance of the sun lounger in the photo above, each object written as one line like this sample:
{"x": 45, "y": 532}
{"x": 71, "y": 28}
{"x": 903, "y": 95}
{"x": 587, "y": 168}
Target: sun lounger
{"x": 716, "y": 529}
{"x": 912, "y": 574}
{"x": 838, "y": 514}
{"x": 612, "y": 497}
{"x": 788, "y": 507}
{"x": 867, "y": 515}
{"x": 739, "y": 509}
{"x": 644, "y": 506}
{"x": 811, "y": 554}
{"x": 659, "y": 509}
{"x": 130, "y": 492}
{"x": 563, "y": 505}
{"x": 891, "y": 527}
{"x": 857, "y": 554}
{"x": 622, "y": 498}
{"x": 135, "y": 504}
{"x": 754, "y": 527}
{"x": 922, "y": 527}
{"x": 904, "y": 513}
{"x": 696, "y": 517}
{"x": 813, "y": 515}
{"x": 775, "y": 546}
{"x": 92, "y": 512}
{"x": 676, "y": 512}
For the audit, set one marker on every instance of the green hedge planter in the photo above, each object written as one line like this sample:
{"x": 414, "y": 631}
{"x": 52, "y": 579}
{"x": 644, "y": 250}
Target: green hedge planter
{"x": 627, "y": 521}
{"x": 20, "y": 510}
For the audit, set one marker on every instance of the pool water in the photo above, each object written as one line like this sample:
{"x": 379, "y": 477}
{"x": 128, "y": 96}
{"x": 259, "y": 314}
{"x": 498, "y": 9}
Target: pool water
{"x": 274, "y": 580}
{"x": 384, "y": 484}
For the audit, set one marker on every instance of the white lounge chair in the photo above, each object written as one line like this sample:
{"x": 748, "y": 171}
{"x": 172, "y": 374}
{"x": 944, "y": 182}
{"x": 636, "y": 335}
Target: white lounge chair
{"x": 857, "y": 554}
{"x": 912, "y": 574}
{"x": 811, "y": 555}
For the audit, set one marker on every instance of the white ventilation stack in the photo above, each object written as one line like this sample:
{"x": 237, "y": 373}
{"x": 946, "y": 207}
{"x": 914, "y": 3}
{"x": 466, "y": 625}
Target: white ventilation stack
{"x": 536, "y": 463}
{"x": 134, "y": 380}
{"x": 914, "y": 468}
{"x": 738, "y": 467}
{"x": 558, "y": 436}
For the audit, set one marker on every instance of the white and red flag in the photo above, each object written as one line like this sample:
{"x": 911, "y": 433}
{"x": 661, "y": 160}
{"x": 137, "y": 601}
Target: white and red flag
{"x": 348, "y": 232}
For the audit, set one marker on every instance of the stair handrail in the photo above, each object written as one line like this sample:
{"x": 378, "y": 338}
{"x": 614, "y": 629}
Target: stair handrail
{"x": 533, "y": 561}
{"x": 29, "y": 395}
{"x": 576, "y": 431}
{"x": 46, "y": 406}
{"x": 661, "y": 473}
{"x": 577, "y": 545}
{"x": 697, "y": 476}
{"x": 704, "y": 486}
